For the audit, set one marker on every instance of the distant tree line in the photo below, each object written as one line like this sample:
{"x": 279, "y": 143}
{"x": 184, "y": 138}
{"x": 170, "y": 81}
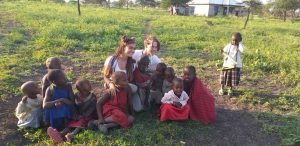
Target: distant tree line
{"x": 282, "y": 9}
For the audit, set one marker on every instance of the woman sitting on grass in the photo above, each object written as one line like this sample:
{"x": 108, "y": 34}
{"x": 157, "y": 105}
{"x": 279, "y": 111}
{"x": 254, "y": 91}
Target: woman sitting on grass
{"x": 151, "y": 47}
{"x": 122, "y": 61}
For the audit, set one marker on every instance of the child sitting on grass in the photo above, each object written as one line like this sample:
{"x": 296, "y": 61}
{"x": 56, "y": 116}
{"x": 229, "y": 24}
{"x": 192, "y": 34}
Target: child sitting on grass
{"x": 85, "y": 105}
{"x": 142, "y": 80}
{"x": 174, "y": 103}
{"x": 59, "y": 100}
{"x": 111, "y": 109}
{"x": 231, "y": 72}
{"x": 156, "y": 86}
{"x": 167, "y": 83}
{"x": 29, "y": 110}
{"x": 51, "y": 63}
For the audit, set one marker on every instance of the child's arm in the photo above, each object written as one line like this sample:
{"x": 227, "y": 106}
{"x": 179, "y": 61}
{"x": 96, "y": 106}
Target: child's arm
{"x": 21, "y": 108}
{"x": 46, "y": 102}
{"x": 45, "y": 85}
{"x": 241, "y": 47}
{"x": 91, "y": 108}
{"x": 100, "y": 102}
{"x": 184, "y": 99}
{"x": 129, "y": 100}
{"x": 226, "y": 49}
{"x": 166, "y": 99}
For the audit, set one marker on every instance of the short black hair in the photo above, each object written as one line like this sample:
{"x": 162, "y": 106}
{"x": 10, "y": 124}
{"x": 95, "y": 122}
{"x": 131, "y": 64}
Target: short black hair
{"x": 53, "y": 75}
{"x": 191, "y": 68}
{"x": 144, "y": 59}
{"x": 238, "y": 36}
{"x": 116, "y": 76}
{"x": 170, "y": 70}
{"x": 161, "y": 66}
{"x": 178, "y": 81}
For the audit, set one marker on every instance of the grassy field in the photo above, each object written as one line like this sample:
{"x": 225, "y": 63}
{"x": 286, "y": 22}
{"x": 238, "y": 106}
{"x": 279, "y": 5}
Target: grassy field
{"x": 30, "y": 32}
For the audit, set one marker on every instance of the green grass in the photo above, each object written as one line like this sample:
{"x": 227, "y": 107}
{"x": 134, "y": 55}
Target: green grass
{"x": 40, "y": 30}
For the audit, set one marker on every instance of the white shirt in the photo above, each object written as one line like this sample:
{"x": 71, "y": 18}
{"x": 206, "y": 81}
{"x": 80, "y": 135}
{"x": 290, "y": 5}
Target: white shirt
{"x": 234, "y": 53}
{"x": 154, "y": 60}
{"x": 170, "y": 97}
{"x": 30, "y": 113}
{"x": 115, "y": 66}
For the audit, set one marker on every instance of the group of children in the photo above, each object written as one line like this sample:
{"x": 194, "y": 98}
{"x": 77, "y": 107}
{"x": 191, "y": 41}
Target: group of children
{"x": 67, "y": 113}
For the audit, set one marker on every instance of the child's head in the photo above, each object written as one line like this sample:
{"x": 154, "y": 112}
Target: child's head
{"x": 236, "y": 38}
{"x": 30, "y": 89}
{"x": 119, "y": 79}
{"x": 169, "y": 74}
{"x": 84, "y": 87}
{"x": 143, "y": 63}
{"x": 53, "y": 63}
{"x": 177, "y": 86}
{"x": 161, "y": 67}
{"x": 189, "y": 73}
{"x": 57, "y": 77}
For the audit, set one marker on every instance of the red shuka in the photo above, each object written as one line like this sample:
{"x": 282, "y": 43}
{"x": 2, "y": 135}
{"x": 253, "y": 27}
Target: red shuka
{"x": 202, "y": 103}
{"x": 170, "y": 112}
{"x": 116, "y": 107}
{"x": 140, "y": 77}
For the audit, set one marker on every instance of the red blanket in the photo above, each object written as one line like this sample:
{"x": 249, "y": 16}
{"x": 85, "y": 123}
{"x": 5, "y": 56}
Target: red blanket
{"x": 170, "y": 112}
{"x": 202, "y": 103}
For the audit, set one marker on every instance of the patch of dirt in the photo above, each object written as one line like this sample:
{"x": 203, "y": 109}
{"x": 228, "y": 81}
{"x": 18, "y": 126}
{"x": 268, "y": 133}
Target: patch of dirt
{"x": 234, "y": 128}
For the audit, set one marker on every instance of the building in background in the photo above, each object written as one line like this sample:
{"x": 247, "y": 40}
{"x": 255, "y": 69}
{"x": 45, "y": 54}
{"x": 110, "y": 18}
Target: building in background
{"x": 215, "y": 7}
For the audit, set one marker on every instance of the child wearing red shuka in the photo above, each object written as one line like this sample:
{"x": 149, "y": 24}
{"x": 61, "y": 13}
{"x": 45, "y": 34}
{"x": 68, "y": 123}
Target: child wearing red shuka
{"x": 142, "y": 80}
{"x": 174, "y": 103}
{"x": 111, "y": 109}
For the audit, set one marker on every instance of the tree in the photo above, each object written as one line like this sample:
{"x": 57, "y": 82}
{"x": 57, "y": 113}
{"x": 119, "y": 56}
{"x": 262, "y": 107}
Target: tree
{"x": 284, "y": 6}
{"x": 78, "y": 7}
{"x": 251, "y": 6}
{"x": 149, "y": 3}
{"x": 168, "y": 3}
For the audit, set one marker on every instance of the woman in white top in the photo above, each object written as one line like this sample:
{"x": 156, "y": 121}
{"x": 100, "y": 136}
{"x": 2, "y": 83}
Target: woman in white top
{"x": 151, "y": 47}
{"x": 122, "y": 61}
{"x": 230, "y": 75}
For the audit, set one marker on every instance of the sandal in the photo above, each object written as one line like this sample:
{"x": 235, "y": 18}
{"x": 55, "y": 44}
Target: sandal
{"x": 55, "y": 135}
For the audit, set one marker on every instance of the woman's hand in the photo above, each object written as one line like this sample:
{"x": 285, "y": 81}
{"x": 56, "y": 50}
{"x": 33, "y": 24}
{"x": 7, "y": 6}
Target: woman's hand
{"x": 113, "y": 89}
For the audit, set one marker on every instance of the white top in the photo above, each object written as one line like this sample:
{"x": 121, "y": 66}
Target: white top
{"x": 154, "y": 60}
{"x": 30, "y": 113}
{"x": 115, "y": 66}
{"x": 234, "y": 53}
{"x": 170, "y": 97}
